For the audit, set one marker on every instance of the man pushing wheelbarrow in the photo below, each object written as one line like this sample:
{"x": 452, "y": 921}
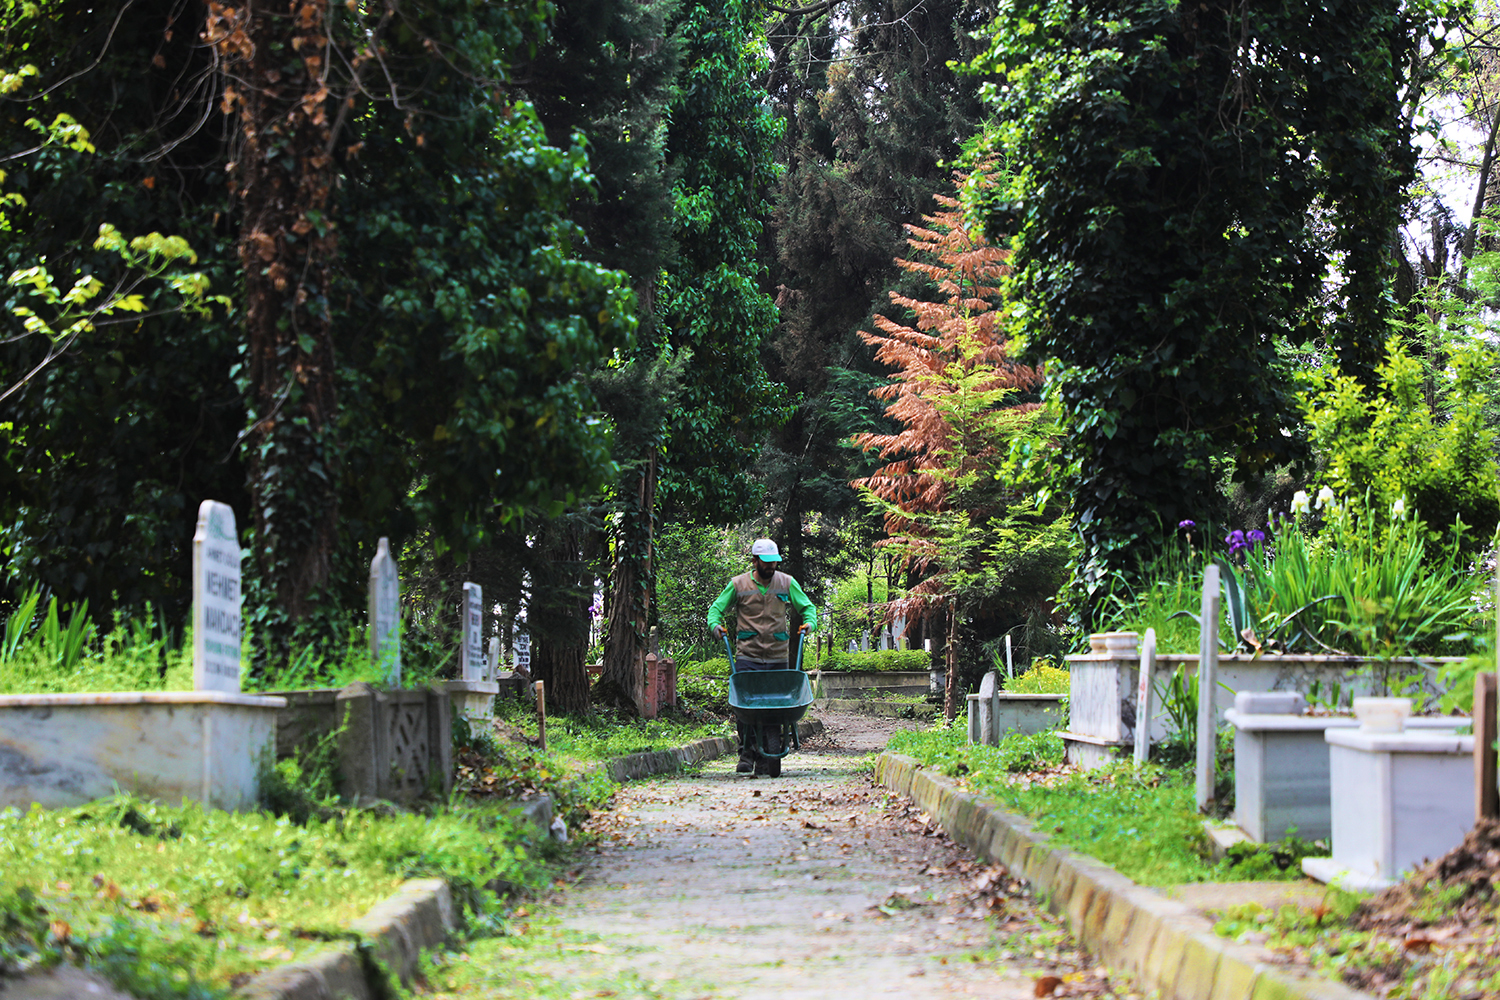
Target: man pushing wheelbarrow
{"x": 767, "y": 689}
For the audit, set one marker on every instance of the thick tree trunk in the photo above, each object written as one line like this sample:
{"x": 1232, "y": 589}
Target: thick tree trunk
{"x": 561, "y": 648}
{"x": 622, "y": 682}
{"x": 272, "y": 55}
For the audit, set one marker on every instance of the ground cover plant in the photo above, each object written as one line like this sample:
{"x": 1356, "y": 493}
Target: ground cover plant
{"x": 187, "y": 902}
{"x": 1143, "y": 822}
{"x": 1043, "y": 678}
{"x": 578, "y": 740}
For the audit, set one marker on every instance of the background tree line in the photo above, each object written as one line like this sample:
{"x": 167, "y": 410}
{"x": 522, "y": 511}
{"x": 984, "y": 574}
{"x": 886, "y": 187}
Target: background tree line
{"x": 542, "y": 290}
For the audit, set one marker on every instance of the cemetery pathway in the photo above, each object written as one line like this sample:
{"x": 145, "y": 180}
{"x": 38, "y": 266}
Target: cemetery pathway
{"x": 818, "y": 884}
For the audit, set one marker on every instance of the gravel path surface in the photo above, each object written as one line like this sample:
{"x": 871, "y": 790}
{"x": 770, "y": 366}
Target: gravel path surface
{"x": 815, "y": 884}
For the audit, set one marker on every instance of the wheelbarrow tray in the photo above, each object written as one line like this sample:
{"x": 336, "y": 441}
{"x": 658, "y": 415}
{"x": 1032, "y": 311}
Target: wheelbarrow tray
{"x": 766, "y": 697}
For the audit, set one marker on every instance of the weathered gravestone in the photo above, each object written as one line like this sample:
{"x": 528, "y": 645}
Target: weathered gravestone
{"x": 494, "y": 658}
{"x": 523, "y": 653}
{"x": 385, "y": 613}
{"x": 473, "y": 665}
{"x": 216, "y": 600}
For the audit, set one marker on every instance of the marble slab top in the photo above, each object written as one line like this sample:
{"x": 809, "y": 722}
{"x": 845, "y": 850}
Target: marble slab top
{"x": 1312, "y": 723}
{"x": 472, "y": 687}
{"x": 1404, "y": 742}
{"x": 102, "y": 698}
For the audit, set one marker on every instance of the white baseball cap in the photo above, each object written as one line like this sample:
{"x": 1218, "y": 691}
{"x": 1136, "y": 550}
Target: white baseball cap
{"x": 766, "y": 550}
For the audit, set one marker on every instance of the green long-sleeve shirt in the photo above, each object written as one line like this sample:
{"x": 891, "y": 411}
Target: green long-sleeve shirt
{"x": 805, "y": 607}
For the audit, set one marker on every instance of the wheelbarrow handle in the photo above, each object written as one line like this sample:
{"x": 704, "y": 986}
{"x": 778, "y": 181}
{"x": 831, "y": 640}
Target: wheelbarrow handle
{"x": 728, "y": 650}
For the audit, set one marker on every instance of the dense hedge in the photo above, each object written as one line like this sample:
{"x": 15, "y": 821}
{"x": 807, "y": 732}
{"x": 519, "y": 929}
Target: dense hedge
{"x": 882, "y": 660}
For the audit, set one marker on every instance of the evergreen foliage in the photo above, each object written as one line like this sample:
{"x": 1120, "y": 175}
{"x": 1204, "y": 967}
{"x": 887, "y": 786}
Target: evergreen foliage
{"x": 1193, "y": 182}
{"x": 975, "y": 542}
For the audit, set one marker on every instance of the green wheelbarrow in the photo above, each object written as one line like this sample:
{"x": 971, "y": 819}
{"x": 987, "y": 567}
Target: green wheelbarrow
{"x": 769, "y": 703}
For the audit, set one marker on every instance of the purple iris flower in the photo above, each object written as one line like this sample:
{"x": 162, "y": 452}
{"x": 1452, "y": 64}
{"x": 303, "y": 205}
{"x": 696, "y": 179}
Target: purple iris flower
{"x": 1236, "y": 541}
{"x": 1187, "y": 524}
{"x": 1255, "y": 537}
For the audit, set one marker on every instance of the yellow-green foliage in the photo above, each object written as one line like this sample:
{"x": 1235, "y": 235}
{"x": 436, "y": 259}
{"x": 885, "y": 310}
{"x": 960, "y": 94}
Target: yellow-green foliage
{"x": 1042, "y": 678}
{"x": 1391, "y": 445}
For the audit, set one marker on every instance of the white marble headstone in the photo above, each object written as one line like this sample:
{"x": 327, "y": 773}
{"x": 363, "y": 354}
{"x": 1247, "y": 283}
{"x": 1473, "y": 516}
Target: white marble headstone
{"x": 494, "y": 661}
{"x": 216, "y": 599}
{"x": 472, "y": 654}
{"x": 523, "y": 651}
{"x": 385, "y": 612}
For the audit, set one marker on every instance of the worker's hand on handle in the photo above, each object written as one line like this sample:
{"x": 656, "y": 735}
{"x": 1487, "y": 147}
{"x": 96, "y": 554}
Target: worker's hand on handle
{"x": 804, "y": 628}
{"x": 718, "y": 631}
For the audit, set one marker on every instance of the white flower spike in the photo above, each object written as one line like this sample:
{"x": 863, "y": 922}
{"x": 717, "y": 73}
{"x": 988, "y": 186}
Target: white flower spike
{"x": 1398, "y": 509}
{"x": 1326, "y": 498}
{"x": 1300, "y": 502}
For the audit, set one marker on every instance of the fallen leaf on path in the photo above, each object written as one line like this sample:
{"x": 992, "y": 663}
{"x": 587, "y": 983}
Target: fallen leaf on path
{"x": 1046, "y": 986}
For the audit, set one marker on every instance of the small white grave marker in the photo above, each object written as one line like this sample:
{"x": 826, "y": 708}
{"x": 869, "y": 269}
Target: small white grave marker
{"x": 494, "y": 660}
{"x": 472, "y": 665}
{"x": 523, "y": 652}
{"x": 1208, "y": 684}
{"x": 385, "y": 612}
{"x": 216, "y": 599}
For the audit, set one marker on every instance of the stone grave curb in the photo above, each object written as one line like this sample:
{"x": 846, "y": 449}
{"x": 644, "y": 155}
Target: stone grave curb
{"x": 1163, "y": 943}
{"x": 387, "y": 942}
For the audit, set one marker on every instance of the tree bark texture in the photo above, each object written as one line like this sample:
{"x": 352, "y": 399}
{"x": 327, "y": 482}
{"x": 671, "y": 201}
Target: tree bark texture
{"x": 622, "y": 681}
{"x": 271, "y": 55}
{"x": 560, "y": 633}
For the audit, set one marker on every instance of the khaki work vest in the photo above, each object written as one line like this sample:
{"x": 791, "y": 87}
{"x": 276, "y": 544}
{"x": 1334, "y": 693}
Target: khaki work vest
{"x": 761, "y": 619}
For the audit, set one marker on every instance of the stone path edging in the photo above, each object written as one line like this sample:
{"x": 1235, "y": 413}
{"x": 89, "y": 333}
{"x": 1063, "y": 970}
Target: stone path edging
{"x": 1161, "y": 942}
{"x": 387, "y": 942}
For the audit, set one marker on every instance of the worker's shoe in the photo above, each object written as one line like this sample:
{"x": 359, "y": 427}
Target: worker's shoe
{"x": 746, "y": 764}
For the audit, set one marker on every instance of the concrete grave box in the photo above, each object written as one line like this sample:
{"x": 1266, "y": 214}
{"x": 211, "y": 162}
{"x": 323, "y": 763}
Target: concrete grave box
{"x": 205, "y": 745}
{"x": 1397, "y": 799}
{"x": 172, "y": 746}
{"x": 1281, "y": 764}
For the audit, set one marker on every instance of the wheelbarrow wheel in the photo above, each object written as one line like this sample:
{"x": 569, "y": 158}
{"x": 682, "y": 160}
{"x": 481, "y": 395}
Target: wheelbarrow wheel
{"x": 773, "y": 767}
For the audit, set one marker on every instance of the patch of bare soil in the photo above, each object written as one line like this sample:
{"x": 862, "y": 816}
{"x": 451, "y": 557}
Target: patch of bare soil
{"x": 1441, "y": 921}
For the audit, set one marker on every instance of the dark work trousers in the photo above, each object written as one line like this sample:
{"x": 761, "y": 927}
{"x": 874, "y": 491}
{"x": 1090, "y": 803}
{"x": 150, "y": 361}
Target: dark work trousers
{"x": 744, "y": 730}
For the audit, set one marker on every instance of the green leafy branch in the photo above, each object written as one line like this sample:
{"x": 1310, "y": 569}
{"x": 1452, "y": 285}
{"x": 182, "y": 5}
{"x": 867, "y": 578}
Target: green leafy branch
{"x": 65, "y": 315}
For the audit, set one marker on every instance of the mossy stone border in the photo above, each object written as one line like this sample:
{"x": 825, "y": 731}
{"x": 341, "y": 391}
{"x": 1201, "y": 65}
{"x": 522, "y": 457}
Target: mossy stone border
{"x": 1162, "y": 943}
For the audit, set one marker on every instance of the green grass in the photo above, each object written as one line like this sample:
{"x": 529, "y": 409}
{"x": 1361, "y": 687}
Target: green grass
{"x": 179, "y": 902}
{"x": 603, "y": 736}
{"x": 1143, "y": 823}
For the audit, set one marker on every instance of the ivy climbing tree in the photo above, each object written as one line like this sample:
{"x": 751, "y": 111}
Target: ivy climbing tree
{"x": 1192, "y": 182}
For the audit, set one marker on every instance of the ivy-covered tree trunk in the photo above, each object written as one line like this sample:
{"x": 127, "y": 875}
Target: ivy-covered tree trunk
{"x": 284, "y": 173}
{"x": 622, "y": 681}
{"x": 563, "y": 585}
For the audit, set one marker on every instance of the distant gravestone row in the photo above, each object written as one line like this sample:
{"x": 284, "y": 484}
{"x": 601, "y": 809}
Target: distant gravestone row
{"x": 218, "y": 629}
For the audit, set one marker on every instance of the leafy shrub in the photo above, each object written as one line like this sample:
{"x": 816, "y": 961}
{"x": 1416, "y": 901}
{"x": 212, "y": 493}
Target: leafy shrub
{"x": 705, "y": 684}
{"x": 883, "y": 660}
{"x": 1042, "y": 678}
{"x": 1391, "y": 445}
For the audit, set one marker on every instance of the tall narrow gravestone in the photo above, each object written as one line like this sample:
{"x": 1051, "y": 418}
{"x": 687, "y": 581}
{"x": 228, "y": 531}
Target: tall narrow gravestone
{"x": 216, "y": 600}
{"x": 385, "y": 612}
{"x": 473, "y": 649}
